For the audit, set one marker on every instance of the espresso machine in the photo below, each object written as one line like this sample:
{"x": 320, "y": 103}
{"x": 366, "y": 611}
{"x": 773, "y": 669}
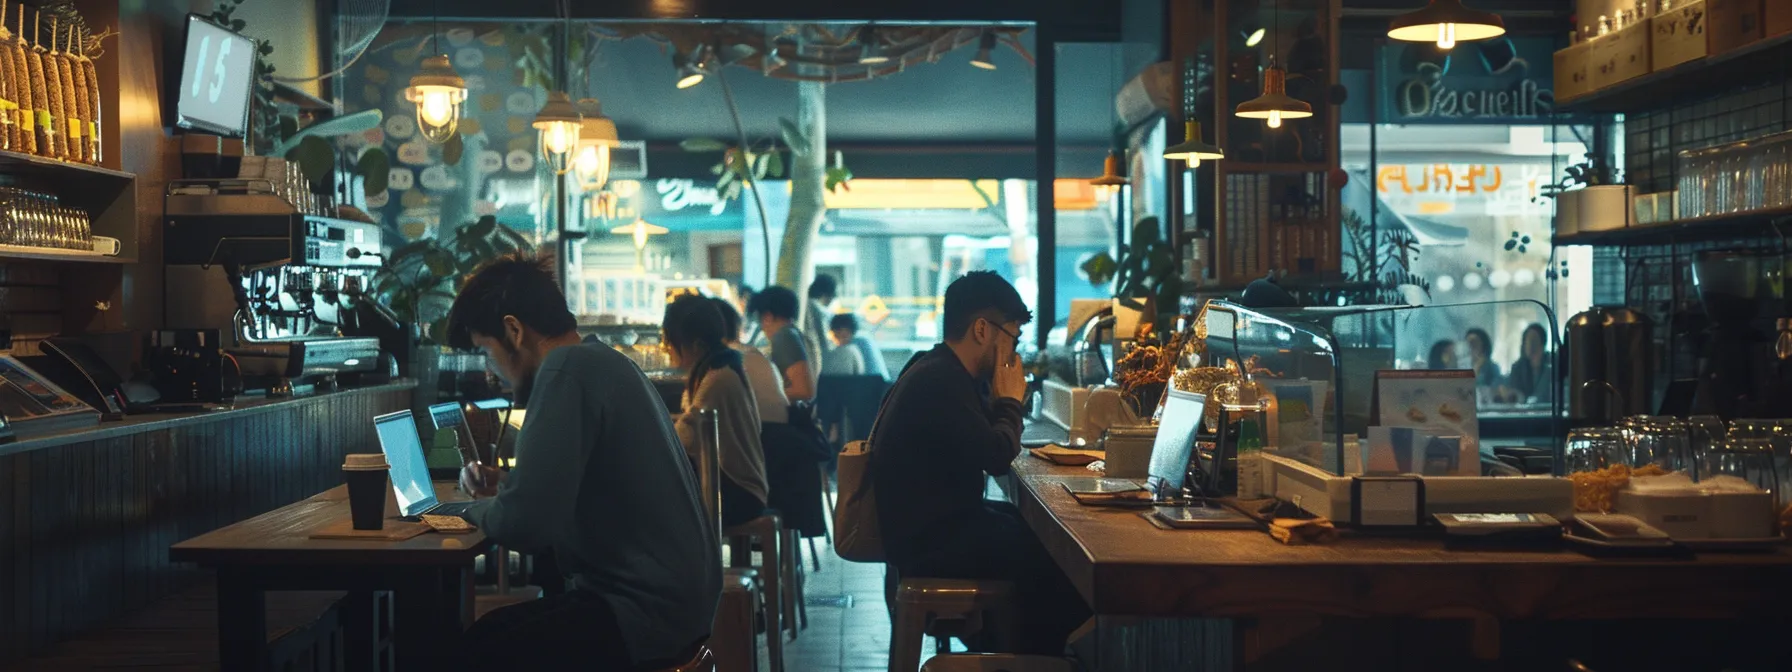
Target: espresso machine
{"x": 1741, "y": 374}
{"x": 284, "y": 290}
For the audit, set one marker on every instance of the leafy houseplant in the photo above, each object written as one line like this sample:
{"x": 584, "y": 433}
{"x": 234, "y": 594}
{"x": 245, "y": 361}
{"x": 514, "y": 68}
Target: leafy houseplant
{"x": 1146, "y": 269}
{"x": 421, "y": 278}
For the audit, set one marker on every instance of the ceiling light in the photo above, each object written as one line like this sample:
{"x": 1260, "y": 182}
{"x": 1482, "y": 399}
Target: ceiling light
{"x": 1275, "y": 104}
{"x": 1446, "y": 22}
{"x": 597, "y": 134}
{"x": 871, "y": 51}
{"x": 1111, "y": 180}
{"x": 985, "y": 47}
{"x": 690, "y": 68}
{"x": 558, "y": 125}
{"x": 437, "y": 90}
{"x": 1192, "y": 149}
{"x": 640, "y": 229}
{"x": 1255, "y": 38}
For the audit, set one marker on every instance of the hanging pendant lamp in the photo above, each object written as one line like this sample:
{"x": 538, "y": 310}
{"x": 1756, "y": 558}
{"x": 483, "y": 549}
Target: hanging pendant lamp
{"x": 1275, "y": 104}
{"x": 1192, "y": 149}
{"x": 1111, "y": 179}
{"x": 597, "y": 134}
{"x": 1446, "y": 22}
{"x": 558, "y": 125}
{"x": 437, "y": 91}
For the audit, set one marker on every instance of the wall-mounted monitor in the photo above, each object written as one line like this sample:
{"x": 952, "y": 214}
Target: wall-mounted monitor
{"x": 217, "y": 80}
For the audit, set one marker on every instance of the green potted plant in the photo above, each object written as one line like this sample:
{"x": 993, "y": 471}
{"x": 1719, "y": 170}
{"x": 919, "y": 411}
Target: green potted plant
{"x": 1147, "y": 270}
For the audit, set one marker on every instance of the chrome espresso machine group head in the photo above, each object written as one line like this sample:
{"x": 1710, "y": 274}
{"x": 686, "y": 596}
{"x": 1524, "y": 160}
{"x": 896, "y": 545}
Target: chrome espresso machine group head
{"x": 283, "y": 289}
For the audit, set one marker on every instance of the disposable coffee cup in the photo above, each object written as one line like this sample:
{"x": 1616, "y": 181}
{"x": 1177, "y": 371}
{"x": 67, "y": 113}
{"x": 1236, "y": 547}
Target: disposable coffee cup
{"x": 366, "y": 477}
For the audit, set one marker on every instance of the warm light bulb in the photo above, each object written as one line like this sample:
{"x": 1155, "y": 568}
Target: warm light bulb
{"x": 557, "y": 137}
{"x": 1446, "y": 35}
{"x": 1275, "y": 119}
{"x": 1194, "y": 161}
{"x": 690, "y": 80}
{"x": 640, "y": 236}
{"x": 437, "y": 107}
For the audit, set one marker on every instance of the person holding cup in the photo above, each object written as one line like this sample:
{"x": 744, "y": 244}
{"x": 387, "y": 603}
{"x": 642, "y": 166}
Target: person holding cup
{"x": 600, "y": 480}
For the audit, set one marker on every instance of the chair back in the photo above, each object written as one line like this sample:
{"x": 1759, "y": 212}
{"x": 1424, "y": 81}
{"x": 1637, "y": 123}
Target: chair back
{"x": 709, "y": 466}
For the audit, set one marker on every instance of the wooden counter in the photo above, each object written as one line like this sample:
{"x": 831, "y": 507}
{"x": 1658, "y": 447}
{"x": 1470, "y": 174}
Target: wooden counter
{"x": 86, "y": 518}
{"x": 1126, "y": 567}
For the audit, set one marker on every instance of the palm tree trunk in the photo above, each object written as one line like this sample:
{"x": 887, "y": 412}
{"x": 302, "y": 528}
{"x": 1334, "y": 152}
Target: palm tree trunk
{"x": 808, "y": 180}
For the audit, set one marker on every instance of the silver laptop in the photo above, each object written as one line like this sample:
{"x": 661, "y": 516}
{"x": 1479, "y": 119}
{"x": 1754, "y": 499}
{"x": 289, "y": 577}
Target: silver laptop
{"x": 410, "y": 471}
{"x": 1170, "y": 453}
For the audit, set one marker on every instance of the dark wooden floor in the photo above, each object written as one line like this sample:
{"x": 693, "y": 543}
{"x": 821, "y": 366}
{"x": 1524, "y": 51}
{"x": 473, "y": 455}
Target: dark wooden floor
{"x": 178, "y": 633}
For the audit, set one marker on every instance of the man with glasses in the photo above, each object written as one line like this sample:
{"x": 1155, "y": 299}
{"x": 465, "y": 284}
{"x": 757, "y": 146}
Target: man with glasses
{"x": 953, "y": 416}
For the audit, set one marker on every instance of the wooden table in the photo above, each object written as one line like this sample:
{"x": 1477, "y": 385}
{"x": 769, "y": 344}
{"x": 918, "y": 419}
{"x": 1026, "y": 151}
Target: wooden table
{"x": 1153, "y": 586}
{"x": 430, "y": 579}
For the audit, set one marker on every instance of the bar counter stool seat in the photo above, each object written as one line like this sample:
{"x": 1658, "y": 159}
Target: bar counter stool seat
{"x": 942, "y": 608}
{"x": 997, "y": 662}
{"x": 768, "y": 530}
{"x": 733, "y": 638}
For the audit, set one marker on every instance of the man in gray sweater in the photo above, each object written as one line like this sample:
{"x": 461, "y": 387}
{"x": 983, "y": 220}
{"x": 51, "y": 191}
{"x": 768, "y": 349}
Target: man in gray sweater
{"x": 600, "y": 481}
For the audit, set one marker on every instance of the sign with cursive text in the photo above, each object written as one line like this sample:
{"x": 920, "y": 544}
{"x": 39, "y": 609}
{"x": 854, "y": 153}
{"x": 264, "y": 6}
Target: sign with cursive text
{"x": 1506, "y": 80}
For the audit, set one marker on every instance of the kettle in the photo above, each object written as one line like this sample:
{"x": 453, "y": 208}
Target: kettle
{"x": 1611, "y": 364}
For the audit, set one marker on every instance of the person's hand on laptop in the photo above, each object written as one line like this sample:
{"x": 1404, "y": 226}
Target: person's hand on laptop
{"x": 480, "y": 480}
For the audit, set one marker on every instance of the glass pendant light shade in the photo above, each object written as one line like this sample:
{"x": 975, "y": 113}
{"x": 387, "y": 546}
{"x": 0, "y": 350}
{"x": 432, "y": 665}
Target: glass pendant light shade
{"x": 1446, "y": 22}
{"x": 1275, "y": 104}
{"x": 1192, "y": 149}
{"x": 597, "y": 134}
{"x": 558, "y": 127}
{"x": 437, "y": 91}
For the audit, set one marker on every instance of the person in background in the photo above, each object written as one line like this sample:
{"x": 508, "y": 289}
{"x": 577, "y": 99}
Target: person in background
{"x": 822, "y": 292}
{"x": 768, "y": 386}
{"x": 953, "y": 416}
{"x": 844, "y": 328}
{"x": 844, "y": 359}
{"x": 696, "y": 335}
{"x": 643, "y": 587}
{"x": 1531, "y": 375}
{"x": 1442, "y": 356}
{"x": 1480, "y": 352}
{"x": 776, "y": 310}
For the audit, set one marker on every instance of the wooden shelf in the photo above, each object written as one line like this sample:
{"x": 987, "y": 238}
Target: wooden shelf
{"x": 54, "y": 254}
{"x": 1696, "y": 229}
{"x": 1759, "y": 62}
{"x": 14, "y": 163}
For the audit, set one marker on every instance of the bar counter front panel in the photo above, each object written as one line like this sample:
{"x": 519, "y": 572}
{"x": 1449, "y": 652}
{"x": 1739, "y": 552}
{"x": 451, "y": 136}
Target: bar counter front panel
{"x": 88, "y": 516}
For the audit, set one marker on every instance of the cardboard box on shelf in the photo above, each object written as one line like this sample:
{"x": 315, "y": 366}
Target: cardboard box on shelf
{"x": 1678, "y": 36}
{"x": 1571, "y": 71}
{"x": 1734, "y": 23}
{"x": 1778, "y": 19}
{"x": 1621, "y": 56}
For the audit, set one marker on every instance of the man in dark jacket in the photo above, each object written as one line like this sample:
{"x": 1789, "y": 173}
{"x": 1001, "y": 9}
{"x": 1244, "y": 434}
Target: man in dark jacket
{"x": 954, "y": 416}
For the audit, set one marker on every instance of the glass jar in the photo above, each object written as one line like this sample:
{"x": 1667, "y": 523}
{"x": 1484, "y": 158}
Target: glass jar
{"x": 1658, "y": 440}
{"x": 1594, "y": 448}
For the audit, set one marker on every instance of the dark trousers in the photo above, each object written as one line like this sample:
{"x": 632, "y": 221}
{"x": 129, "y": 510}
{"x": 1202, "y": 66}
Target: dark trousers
{"x": 738, "y": 505}
{"x": 996, "y": 544}
{"x": 575, "y": 630}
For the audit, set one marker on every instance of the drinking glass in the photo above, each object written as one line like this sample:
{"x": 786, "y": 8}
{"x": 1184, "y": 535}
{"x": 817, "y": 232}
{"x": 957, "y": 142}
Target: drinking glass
{"x": 1594, "y": 448}
{"x": 1658, "y": 440}
{"x": 1755, "y": 454}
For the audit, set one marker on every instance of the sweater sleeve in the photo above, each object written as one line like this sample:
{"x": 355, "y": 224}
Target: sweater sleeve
{"x": 1002, "y": 442}
{"x": 541, "y": 491}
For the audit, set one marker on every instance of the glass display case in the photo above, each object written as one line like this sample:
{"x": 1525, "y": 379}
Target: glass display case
{"x": 1320, "y": 365}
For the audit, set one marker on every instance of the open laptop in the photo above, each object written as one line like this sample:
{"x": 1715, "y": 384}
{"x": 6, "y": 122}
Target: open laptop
{"x": 1170, "y": 453}
{"x": 451, "y": 416}
{"x": 410, "y": 472}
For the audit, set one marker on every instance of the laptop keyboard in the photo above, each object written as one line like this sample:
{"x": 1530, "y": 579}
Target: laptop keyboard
{"x": 450, "y": 509}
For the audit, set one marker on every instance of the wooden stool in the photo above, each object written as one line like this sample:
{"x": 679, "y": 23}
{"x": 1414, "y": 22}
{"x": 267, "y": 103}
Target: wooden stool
{"x": 733, "y": 637}
{"x": 921, "y": 603}
{"x": 996, "y": 662}
{"x": 769, "y": 532}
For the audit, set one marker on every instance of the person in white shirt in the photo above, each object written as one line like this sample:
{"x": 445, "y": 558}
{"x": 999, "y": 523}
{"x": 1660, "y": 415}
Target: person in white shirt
{"x": 767, "y": 384}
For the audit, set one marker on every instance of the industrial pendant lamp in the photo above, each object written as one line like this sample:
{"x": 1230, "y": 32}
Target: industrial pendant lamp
{"x": 558, "y": 124}
{"x": 1111, "y": 180}
{"x": 985, "y": 57}
{"x": 597, "y": 134}
{"x": 437, "y": 91}
{"x": 1192, "y": 149}
{"x": 690, "y": 68}
{"x": 871, "y": 50}
{"x": 1446, "y": 22}
{"x": 1275, "y": 104}
{"x": 640, "y": 229}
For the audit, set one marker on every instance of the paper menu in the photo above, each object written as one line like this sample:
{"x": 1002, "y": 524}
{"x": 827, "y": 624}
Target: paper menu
{"x": 1438, "y": 407}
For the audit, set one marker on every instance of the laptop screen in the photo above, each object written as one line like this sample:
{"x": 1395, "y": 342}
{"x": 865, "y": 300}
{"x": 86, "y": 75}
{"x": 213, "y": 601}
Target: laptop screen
{"x": 1175, "y": 442}
{"x": 404, "y": 451}
{"x": 449, "y": 415}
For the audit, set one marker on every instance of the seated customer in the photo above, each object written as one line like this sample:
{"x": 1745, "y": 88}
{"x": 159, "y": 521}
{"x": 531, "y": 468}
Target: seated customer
{"x": 954, "y": 416}
{"x": 694, "y": 330}
{"x": 768, "y": 386}
{"x": 776, "y": 309}
{"x": 642, "y": 587}
{"x": 844, "y": 329}
{"x": 842, "y": 360}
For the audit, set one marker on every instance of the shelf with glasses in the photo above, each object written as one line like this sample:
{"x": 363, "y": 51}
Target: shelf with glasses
{"x": 108, "y": 197}
{"x": 1759, "y": 62}
{"x": 1694, "y": 229}
{"x": 58, "y": 254}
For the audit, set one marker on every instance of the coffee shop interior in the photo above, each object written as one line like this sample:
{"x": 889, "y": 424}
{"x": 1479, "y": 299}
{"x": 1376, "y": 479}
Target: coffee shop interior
{"x": 1366, "y": 334}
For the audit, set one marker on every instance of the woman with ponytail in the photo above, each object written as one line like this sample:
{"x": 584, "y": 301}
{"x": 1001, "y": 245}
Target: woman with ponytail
{"x": 695, "y": 337}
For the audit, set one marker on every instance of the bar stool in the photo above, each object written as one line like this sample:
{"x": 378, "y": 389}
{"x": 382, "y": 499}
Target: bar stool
{"x": 733, "y": 639}
{"x": 997, "y": 662}
{"x": 942, "y": 608}
{"x": 766, "y": 529}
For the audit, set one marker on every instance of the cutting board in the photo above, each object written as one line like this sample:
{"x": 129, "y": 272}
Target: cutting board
{"x": 395, "y": 530}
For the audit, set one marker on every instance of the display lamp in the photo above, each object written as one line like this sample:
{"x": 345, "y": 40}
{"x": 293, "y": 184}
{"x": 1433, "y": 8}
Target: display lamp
{"x": 1446, "y": 22}
{"x": 437, "y": 91}
{"x": 558, "y": 125}
{"x": 597, "y": 134}
{"x": 1275, "y": 104}
{"x": 1193, "y": 149}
